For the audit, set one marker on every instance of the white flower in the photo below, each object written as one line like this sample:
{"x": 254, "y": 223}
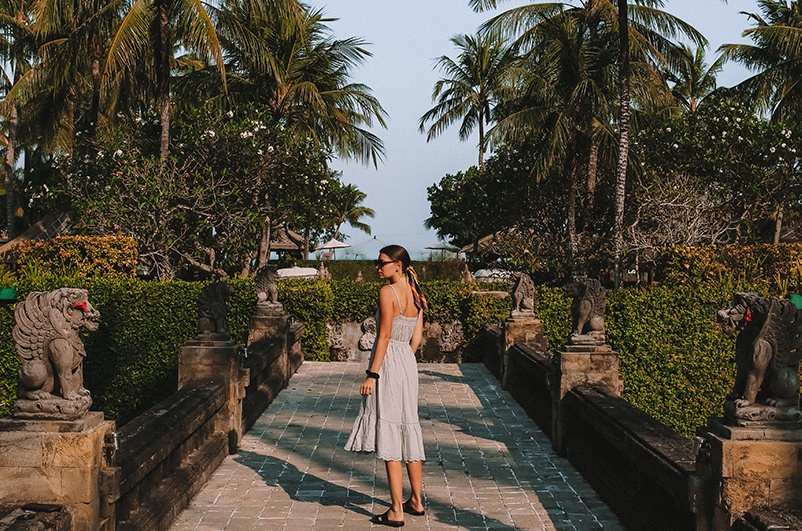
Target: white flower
{"x": 737, "y": 119}
{"x": 668, "y": 129}
{"x": 118, "y": 153}
{"x": 210, "y": 133}
{"x": 270, "y": 149}
{"x": 259, "y": 151}
{"x": 740, "y": 138}
{"x": 782, "y": 145}
{"x": 772, "y": 149}
{"x": 230, "y": 114}
{"x": 100, "y": 154}
{"x": 246, "y": 134}
{"x": 674, "y": 146}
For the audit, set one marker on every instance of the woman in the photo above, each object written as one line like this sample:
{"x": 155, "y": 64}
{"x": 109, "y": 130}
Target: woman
{"x": 388, "y": 419}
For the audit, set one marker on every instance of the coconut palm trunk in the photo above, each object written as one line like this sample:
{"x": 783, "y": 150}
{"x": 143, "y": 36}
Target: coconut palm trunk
{"x": 623, "y": 141}
{"x": 163, "y": 72}
{"x": 11, "y": 156}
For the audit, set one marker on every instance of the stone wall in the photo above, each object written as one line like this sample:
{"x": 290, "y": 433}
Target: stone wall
{"x": 350, "y": 341}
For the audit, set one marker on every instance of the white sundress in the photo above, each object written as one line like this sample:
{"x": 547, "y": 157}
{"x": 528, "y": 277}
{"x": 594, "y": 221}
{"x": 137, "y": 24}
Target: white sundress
{"x": 388, "y": 418}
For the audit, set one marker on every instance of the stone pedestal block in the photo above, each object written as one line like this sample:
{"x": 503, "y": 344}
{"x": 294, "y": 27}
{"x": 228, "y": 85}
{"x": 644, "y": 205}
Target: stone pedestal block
{"x": 57, "y": 462}
{"x": 267, "y": 333}
{"x": 521, "y": 329}
{"x": 577, "y": 365}
{"x": 201, "y": 362}
{"x": 750, "y": 468}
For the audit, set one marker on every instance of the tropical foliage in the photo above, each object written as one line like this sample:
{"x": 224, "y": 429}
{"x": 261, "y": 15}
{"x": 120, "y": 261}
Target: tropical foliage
{"x": 185, "y": 125}
{"x": 626, "y": 149}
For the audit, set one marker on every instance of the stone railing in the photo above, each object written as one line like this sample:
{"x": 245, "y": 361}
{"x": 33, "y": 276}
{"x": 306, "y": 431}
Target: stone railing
{"x": 650, "y": 475}
{"x": 83, "y": 476}
{"x": 166, "y": 455}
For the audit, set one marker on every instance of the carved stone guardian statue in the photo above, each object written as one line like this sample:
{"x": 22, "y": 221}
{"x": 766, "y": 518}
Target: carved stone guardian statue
{"x": 213, "y": 312}
{"x": 47, "y": 336}
{"x": 267, "y": 291}
{"x": 587, "y": 310}
{"x": 523, "y": 297}
{"x": 767, "y": 353}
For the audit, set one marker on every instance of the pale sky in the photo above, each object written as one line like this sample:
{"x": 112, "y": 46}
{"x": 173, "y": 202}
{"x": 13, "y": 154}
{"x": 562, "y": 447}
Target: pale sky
{"x": 405, "y": 38}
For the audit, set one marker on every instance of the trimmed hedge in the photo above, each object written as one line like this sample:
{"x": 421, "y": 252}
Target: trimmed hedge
{"x": 350, "y": 269}
{"x": 677, "y": 364}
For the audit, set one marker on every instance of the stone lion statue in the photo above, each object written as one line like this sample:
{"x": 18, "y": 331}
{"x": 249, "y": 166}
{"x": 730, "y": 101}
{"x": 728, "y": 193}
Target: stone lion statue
{"x": 523, "y": 295}
{"x": 587, "y": 309}
{"x": 213, "y": 311}
{"x": 267, "y": 284}
{"x": 47, "y": 336}
{"x": 767, "y": 353}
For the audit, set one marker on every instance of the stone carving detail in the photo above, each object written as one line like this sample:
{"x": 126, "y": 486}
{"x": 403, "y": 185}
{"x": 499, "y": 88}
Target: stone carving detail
{"x": 323, "y": 273}
{"x": 523, "y": 296}
{"x": 452, "y": 337}
{"x": 767, "y": 353}
{"x": 335, "y": 338}
{"x": 368, "y": 334}
{"x": 47, "y": 335}
{"x": 213, "y": 312}
{"x": 267, "y": 291}
{"x": 587, "y": 310}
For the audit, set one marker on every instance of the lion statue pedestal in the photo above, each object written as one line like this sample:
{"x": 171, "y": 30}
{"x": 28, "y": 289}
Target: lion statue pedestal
{"x": 753, "y": 456}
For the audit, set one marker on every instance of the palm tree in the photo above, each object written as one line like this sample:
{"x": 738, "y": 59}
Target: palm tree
{"x": 640, "y": 32}
{"x": 694, "y": 79}
{"x": 775, "y": 57}
{"x": 471, "y": 88}
{"x": 17, "y": 45}
{"x": 348, "y": 208}
{"x": 285, "y": 59}
{"x": 147, "y": 38}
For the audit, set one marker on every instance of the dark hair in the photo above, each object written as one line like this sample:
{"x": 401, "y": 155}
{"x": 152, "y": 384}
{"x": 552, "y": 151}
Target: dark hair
{"x": 396, "y": 252}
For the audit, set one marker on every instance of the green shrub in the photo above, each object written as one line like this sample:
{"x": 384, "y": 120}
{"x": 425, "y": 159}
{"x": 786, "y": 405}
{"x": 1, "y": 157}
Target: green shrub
{"x": 80, "y": 256}
{"x": 311, "y": 302}
{"x": 777, "y": 267}
{"x": 677, "y": 364}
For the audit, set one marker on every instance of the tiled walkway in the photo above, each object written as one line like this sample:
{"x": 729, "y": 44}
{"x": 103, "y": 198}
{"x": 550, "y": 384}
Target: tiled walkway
{"x": 488, "y": 465}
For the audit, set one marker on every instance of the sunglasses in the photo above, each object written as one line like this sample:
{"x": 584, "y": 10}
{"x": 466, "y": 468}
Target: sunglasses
{"x": 382, "y": 263}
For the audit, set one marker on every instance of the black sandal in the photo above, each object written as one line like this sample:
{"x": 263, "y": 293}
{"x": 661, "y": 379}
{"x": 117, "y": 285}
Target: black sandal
{"x": 409, "y": 510}
{"x": 383, "y": 519}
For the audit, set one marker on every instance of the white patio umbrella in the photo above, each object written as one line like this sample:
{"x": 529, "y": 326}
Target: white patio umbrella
{"x": 443, "y": 247}
{"x": 333, "y": 245}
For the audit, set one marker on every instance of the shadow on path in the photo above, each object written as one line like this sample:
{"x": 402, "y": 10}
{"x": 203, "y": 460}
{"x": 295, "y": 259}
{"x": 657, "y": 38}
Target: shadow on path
{"x": 302, "y": 486}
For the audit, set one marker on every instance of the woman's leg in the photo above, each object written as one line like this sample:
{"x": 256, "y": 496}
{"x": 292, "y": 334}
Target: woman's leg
{"x": 395, "y": 477}
{"x": 415, "y": 471}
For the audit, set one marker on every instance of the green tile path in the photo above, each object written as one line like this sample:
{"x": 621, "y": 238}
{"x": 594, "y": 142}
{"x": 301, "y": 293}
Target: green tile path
{"x": 488, "y": 465}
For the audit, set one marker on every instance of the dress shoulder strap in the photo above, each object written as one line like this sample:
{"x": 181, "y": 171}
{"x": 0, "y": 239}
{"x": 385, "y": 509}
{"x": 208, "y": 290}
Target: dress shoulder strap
{"x": 400, "y": 309}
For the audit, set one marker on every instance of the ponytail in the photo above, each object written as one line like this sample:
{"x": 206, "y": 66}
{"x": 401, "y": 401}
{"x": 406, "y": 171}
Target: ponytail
{"x": 417, "y": 292}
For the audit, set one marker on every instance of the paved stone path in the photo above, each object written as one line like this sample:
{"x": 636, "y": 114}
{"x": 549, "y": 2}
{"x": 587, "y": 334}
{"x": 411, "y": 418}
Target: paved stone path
{"x": 488, "y": 465}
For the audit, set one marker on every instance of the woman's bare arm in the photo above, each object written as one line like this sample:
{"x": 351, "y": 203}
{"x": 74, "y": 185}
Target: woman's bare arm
{"x": 417, "y": 335}
{"x": 386, "y": 314}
